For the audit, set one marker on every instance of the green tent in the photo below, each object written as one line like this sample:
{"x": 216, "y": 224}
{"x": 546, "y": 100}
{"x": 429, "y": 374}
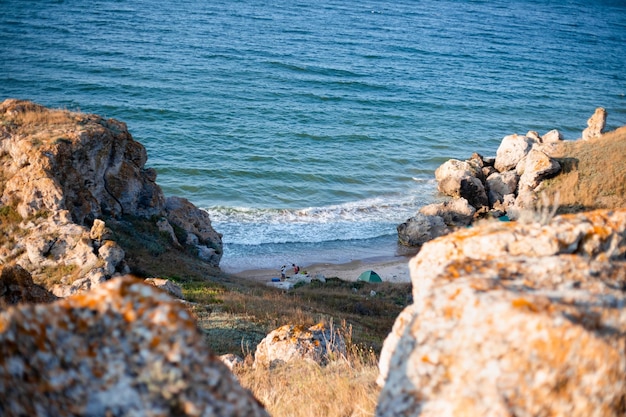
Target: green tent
{"x": 370, "y": 276}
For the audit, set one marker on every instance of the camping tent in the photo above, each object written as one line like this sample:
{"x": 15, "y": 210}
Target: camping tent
{"x": 370, "y": 276}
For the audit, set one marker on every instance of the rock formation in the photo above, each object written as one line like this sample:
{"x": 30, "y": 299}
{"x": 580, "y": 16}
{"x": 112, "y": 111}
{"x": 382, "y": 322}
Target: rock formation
{"x": 63, "y": 177}
{"x": 514, "y": 319}
{"x": 124, "y": 348}
{"x": 318, "y": 343}
{"x": 595, "y": 124}
{"x": 17, "y": 286}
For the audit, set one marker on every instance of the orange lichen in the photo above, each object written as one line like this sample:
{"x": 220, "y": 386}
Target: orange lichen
{"x": 523, "y": 303}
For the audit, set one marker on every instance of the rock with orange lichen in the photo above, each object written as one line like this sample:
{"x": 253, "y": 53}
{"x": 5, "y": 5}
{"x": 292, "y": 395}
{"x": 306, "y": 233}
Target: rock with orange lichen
{"x": 318, "y": 343}
{"x": 124, "y": 348}
{"x": 514, "y": 319}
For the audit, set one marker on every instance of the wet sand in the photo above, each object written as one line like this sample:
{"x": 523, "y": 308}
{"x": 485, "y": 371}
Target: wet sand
{"x": 390, "y": 269}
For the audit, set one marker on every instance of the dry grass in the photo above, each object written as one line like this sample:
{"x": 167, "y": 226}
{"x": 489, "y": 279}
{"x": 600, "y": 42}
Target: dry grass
{"x": 33, "y": 116}
{"x": 593, "y": 176}
{"x": 304, "y": 389}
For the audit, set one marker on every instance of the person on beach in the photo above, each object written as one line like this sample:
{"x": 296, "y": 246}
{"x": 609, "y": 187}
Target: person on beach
{"x": 282, "y": 272}
{"x": 296, "y": 268}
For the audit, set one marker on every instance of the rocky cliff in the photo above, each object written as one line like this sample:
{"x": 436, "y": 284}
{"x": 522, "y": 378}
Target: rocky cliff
{"x": 64, "y": 178}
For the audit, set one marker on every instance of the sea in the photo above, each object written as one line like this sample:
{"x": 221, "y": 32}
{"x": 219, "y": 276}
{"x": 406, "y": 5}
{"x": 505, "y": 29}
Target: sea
{"x": 310, "y": 129}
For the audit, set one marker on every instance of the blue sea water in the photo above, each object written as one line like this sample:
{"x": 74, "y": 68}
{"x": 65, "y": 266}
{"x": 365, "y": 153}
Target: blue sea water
{"x": 310, "y": 129}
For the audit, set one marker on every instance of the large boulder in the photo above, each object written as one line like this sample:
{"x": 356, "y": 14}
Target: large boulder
{"x": 595, "y": 124}
{"x": 501, "y": 184}
{"x": 421, "y": 228}
{"x": 124, "y": 348}
{"x": 514, "y": 319}
{"x": 511, "y": 150}
{"x": 456, "y": 212}
{"x": 462, "y": 179}
{"x": 318, "y": 343}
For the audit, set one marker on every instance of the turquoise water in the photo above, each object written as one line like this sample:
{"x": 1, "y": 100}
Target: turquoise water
{"x": 309, "y": 130}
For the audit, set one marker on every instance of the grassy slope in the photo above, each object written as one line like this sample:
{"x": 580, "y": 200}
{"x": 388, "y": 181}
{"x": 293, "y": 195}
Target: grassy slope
{"x": 594, "y": 174}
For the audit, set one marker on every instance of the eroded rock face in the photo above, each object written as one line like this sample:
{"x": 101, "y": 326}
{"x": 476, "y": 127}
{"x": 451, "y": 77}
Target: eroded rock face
{"x": 456, "y": 212}
{"x": 595, "y": 124}
{"x": 64, "y": 175}
{"x": 124, "y": 348}
{"x": 514, "y": 319}
{"x": 318, "y": 343}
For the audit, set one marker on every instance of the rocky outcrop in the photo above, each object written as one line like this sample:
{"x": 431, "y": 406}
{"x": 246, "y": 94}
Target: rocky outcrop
{"x": 514, "y": 319}
{"x": 17, "y": 286}
{"x": 421, "y": 228}
{"x": 595, "y": 124}
{"x": 124, "y": 348}
{"x": 166, "y": 285}
{"x": 462, "y": 179}
{"x": 318, "y": 343}
{"x": 64, "y": 175}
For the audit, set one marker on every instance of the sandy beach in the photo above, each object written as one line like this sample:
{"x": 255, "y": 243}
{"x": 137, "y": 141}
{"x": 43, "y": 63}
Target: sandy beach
{"x": 390, "y": 269}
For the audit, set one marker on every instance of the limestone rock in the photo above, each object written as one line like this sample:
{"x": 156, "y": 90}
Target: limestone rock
{"x": 455, "y": 212}
{"x": 124, "y": 348}
{"x": 514, "y": 319}
{"x": 501, "y": 184}
{"x": 511, "y": 150}
{"x": 462, "y": 179}
{"x": 536, "y": 167}
{"x": 196, "y": 222}
{"x": 63, "y": 173}
{"x": 552, "y": 137}
{"x": 595, "y": 124}
{"x": 318, "y": 343}
{"x": 17, "y": 286}
{"x": 421, "y": 228}
{"x": 166, "y": 285}
{"x": 164, "y": 226}
{"x": 112, "y": 255}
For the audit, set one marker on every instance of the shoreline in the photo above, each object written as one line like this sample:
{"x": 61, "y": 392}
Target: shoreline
{"x": 393, "y": 269}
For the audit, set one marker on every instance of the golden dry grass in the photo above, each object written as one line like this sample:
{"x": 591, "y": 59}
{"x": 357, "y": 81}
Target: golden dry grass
{"x": 304, "y": 389}
{"x": 593, "y": 176}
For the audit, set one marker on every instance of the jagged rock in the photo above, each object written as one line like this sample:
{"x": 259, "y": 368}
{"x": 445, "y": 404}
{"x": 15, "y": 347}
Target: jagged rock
{"x": 318, "y": 343}
{"x": 99, "y": 231}
{"x": 534, "y": 136}
{"x": 62, "y": 174}
{"x": 535, "y": 167}
{"x": 124, "y": 348}
{"x": 501, "y": 184}
{"x": 511, "y": 150}
{"x": 112, "y": 254}
{"x": 196, "y": 222}
{"x": 462, "y": 179}
{"x": 164, "y": 226}
{"x": 514, "y": 319}
{"x": 17, "y": 286}
{"x": 455, "y": 212}
{"x": 552, "y": 136}
{"x": 166, "y": 285}
{"x": 595, "y": 124}
{"x": 421, "y": 228}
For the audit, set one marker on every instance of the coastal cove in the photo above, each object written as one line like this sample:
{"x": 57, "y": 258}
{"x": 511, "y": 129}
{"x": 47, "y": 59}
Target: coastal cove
{"x": 308, "y": 131}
